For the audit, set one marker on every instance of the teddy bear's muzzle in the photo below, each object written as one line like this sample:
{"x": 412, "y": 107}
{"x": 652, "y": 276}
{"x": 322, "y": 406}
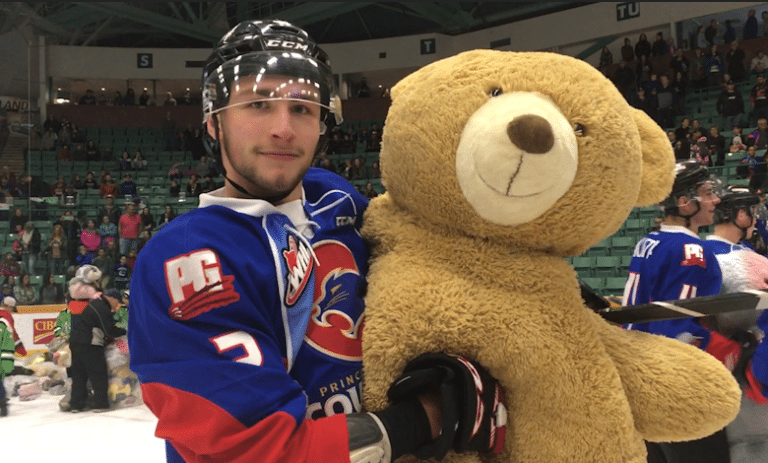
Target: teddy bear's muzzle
{"x": 531, "y": 133}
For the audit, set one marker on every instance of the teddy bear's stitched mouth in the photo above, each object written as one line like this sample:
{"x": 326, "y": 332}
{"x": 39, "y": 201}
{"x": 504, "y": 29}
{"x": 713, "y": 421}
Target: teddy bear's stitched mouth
{"x": 507, "y": 194}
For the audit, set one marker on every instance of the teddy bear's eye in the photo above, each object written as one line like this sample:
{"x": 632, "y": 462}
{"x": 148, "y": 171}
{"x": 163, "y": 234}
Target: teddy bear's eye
{"x": 495, "y": 91}
{"x": 579, "y": 129}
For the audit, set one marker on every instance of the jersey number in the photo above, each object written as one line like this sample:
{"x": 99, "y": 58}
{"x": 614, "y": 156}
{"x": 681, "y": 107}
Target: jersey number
{"x": 243, "y": 340}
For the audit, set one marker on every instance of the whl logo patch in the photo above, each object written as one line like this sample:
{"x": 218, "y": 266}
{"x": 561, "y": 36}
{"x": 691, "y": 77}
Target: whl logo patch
{"x": 299, "y": 264}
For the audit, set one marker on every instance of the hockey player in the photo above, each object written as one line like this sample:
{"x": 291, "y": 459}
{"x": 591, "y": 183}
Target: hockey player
{"x": 246, "y": 313}
{"x": 671, "y": 264}
{"x": 743, "y": 270}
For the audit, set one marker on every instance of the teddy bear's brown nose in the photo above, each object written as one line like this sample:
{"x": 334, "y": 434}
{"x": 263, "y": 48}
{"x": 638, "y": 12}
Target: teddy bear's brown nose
{"x": 531, "y": 133}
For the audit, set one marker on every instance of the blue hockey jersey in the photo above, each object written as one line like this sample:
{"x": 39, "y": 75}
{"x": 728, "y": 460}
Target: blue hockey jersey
{"x": 671, "y": 264}
{"x": 245, "y": 332}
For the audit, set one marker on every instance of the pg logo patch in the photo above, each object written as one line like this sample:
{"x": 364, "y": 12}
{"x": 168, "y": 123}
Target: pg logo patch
{"x": 693, "y": 255}
{"x": 196, "y": 284}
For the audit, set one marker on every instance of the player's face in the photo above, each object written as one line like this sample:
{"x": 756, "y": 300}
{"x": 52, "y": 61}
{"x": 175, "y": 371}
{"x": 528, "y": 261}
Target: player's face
{"x": 268, "y": 144}
{"x": 707, "y": 199}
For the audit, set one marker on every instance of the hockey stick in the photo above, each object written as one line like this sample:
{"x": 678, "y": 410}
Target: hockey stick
{"x": 696, "y": 307}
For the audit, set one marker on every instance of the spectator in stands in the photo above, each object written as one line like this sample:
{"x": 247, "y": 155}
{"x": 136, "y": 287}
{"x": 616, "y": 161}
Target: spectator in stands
{"x": 25, "y": 293}
{"x": 679, "y": 63}
{"x": 624, "y": 79}
{"x": 51, "y": 123}
{"x": 698, "y": 40}
{"x": 699, "y": 148}
{"x": 10, "y": 266}
{"x": 117, "y": 99}
{"x": 735, "y": 59}
{"x": 644, "y": 71}
{"x": 144, "y": 98}
{"x": 167, "y": 215}
{"x": 737, "y": 142}
{"x": 127, "y": 187}
{"x": 79, "y": 153}
{"x": 196, "y": 147}
{"x": 121, "y": 274}
{"x": 51, "y": 292}
{"x": 124, "y": 163}
{"x": 169, "y": 99}
{"x": 764, "y": 27}
{"x": 194, "y": 188}
{"x": 659, "y": 47}
{"x": 72, "y": 231}
{"x": 684, "y": 131}
{"x": 751, "y": 165}
{"x": 35, "y": 137}
{"x": 375, "y": 171}
{"x": 359, "y": 172}
{"x": 627, "y": 51}
{"x": 714, "y": 66}
{"x": 108, "y": 230}
{"x": 48, "y": 142}
{"x": 681, "y": 146}
{"x": 56, "y": 250}
{"x": 665, "y": 100}
{"x": 759, "y": 64}
{"x": 697, "y": 70}
{"x": 209, "y": 184}
{"x": 710, "y": 34}
{"x": 750, "y": 25}
{"x": 174, "y": 189}
{"x": 643, "y": 47}
{"x": 88, "y": 99}
{"x": 90, "y": 238}
{"x": 130, "y": 97}
{"x": 729, "y": 35}
{"x": 730, "y": 106}
{"x": 716, "y": 145}
{"x": 65, "y": 154}
{"x": 92, "y": 152}
{"x": 204, "y": 166}
{"x": 606, "y": 58}
{"x": 680, "y": 87}
{"x": 138, "y": 162}
{"x": 58, "y": 188}
{"x": 369, "y": 191}
{"x": 17, "y": 221}
{"x": 77, "y": 182}
{"x": 109, "y": 187}
{"x": 128, "y": 229}
{"x": 169, "y": 131}
{"x": 147, "y": 220}
{"x": 89, "y": 182}
{"x": 105, "y": 264}
{"x": 110, "y": 210}
{"x": 759, "y": 137}
{"x": 82, "y": 258}
{"x": 30, "y": 247}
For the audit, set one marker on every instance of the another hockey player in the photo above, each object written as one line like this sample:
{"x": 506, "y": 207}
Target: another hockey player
{"x": 743, "y": 270}
{"x": 671, "y": 264}
{"x": 246, "y": 313}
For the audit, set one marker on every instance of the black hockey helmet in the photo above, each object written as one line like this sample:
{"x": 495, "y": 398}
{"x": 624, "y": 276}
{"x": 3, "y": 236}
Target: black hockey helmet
{"x": 272, "y": 60}
{"x": 266, "y": 48}
{"x": 689, "y": 175}
{"x": 735, "y": 198}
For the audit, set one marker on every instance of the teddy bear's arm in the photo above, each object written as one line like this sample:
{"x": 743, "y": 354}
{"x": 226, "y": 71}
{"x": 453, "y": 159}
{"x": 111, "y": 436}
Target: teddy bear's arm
{"x": 676, "y": 391}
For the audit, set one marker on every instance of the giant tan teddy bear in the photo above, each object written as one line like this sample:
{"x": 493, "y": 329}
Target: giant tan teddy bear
{"x": 497, "y": 165}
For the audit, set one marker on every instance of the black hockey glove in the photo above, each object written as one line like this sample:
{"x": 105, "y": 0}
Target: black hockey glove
{"x": 474, "y": 417}
{"x": 749, "y": 343}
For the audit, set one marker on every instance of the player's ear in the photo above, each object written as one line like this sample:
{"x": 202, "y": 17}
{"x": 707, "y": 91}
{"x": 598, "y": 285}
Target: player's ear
{"x": 210, "y": 126}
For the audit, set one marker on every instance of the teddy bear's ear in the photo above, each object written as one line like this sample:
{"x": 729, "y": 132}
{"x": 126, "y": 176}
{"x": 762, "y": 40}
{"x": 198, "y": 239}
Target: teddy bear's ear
{"x": 658, "y": 161}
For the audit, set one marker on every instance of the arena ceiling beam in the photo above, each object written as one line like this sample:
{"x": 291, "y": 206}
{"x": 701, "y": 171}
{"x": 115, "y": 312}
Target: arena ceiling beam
{"x": 200, "y": 30}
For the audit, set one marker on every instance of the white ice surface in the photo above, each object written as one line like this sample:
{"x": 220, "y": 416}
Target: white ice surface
{"x": 37, "y": 431}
